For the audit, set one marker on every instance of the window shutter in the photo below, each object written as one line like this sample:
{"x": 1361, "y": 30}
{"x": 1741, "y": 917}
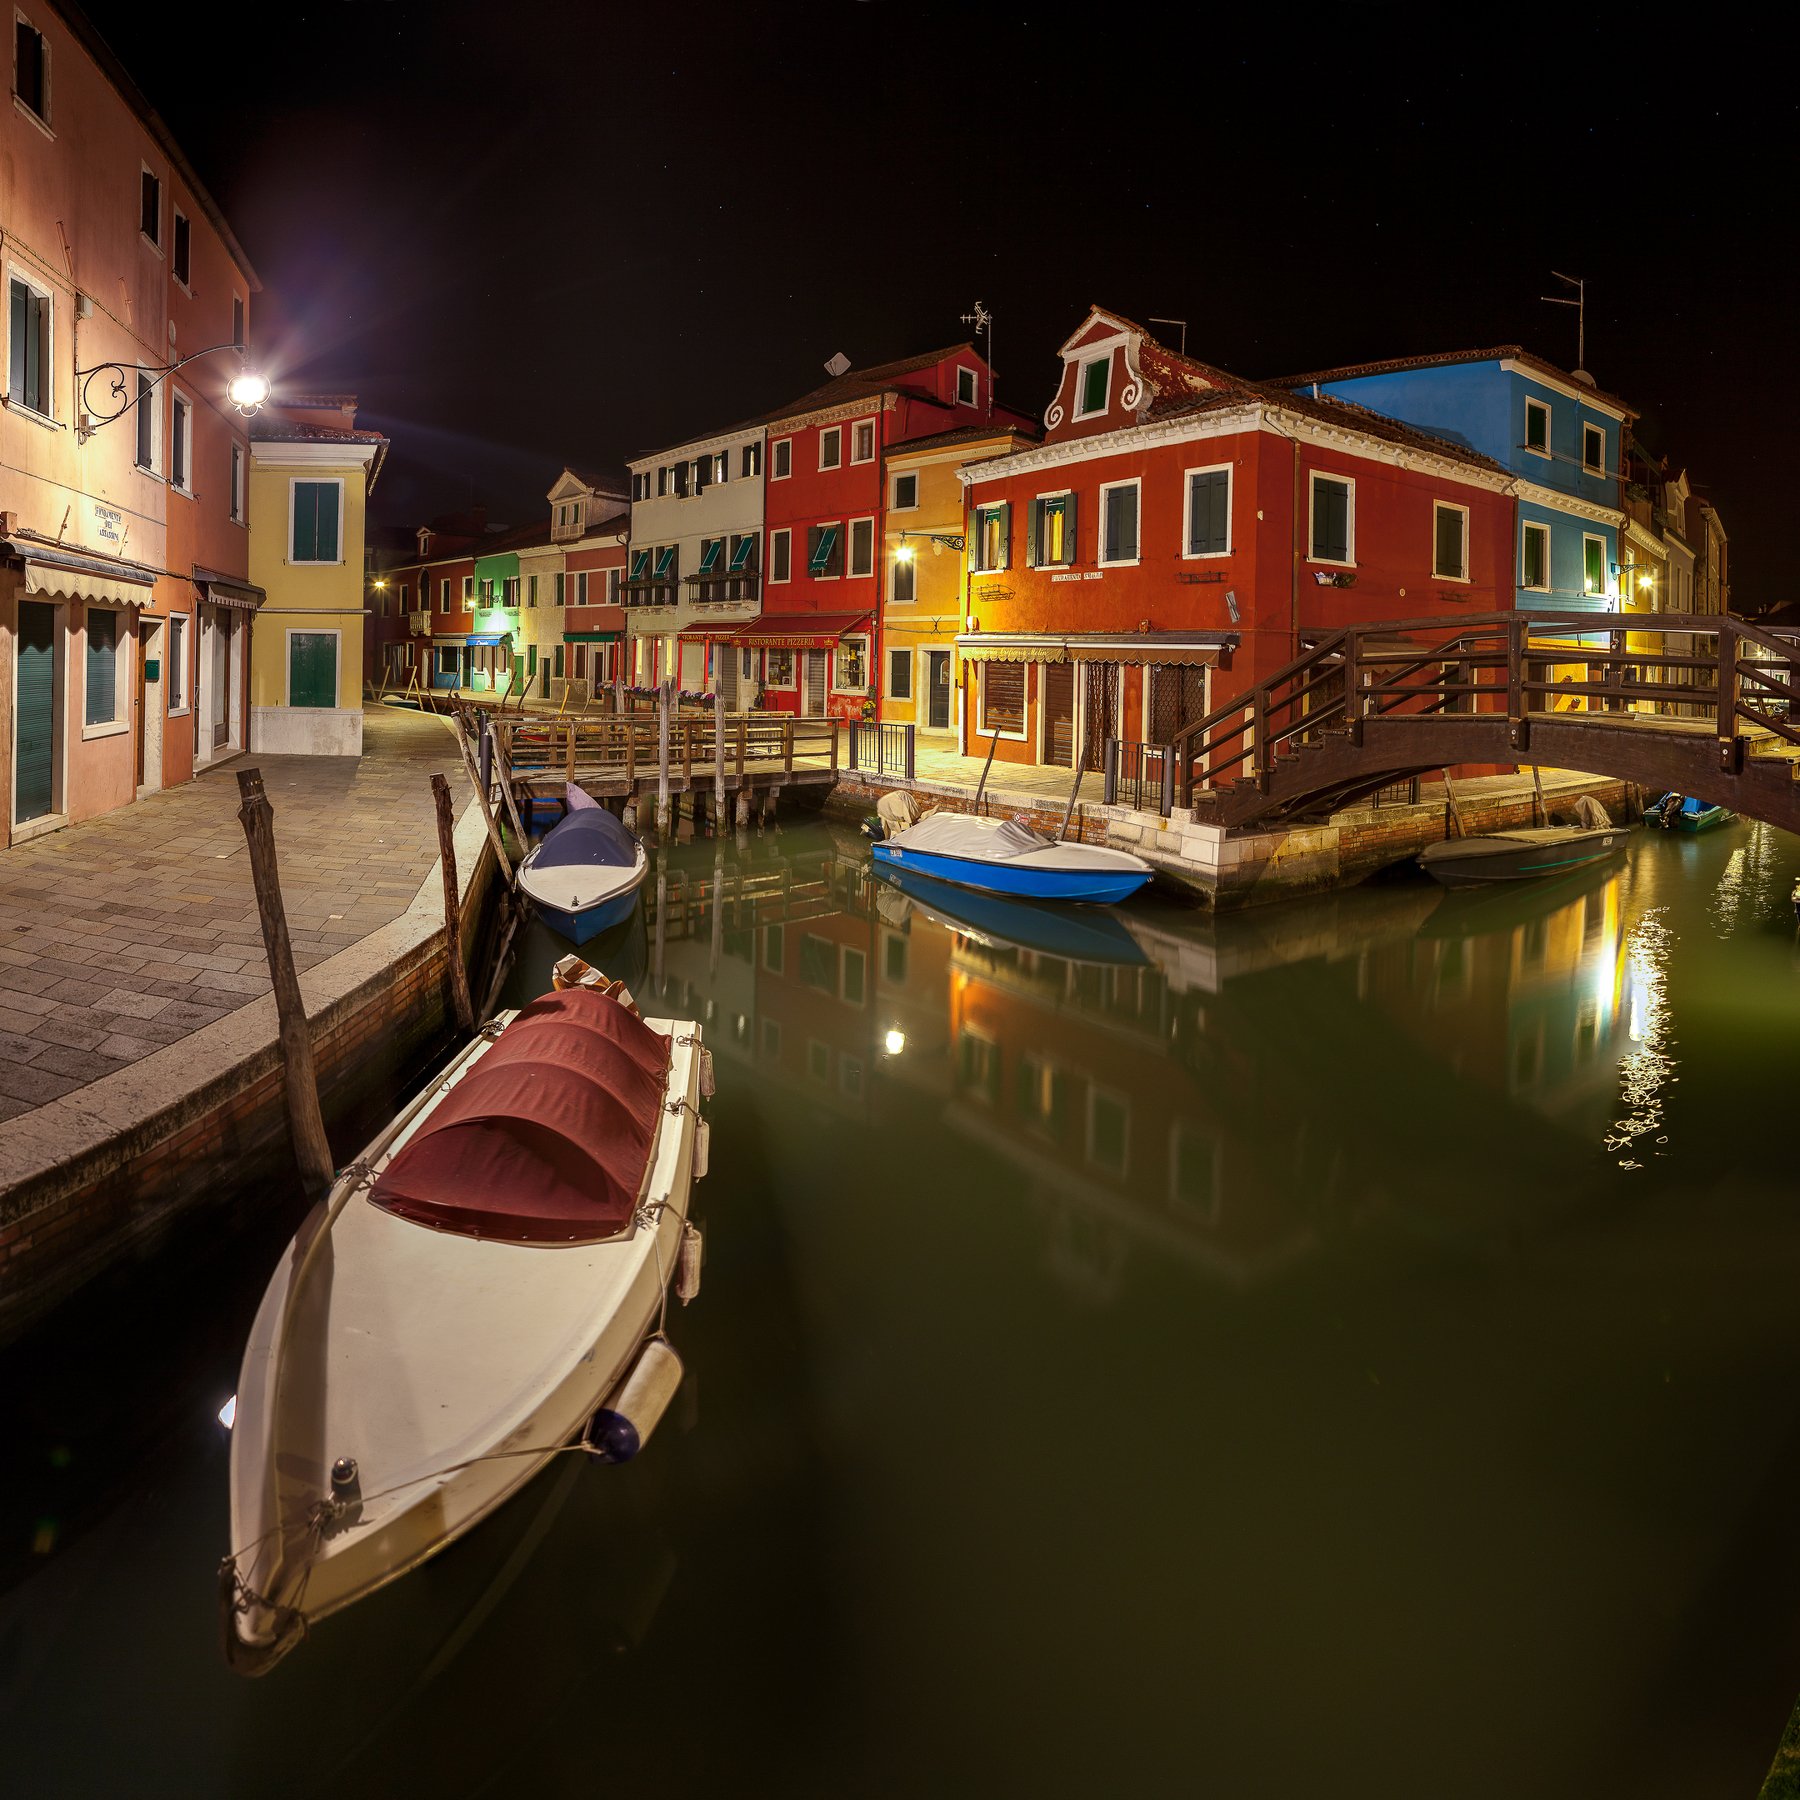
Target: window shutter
{"x": 21, "y": 299}
{"x": 1071, "y": 543}
{"x": 1034, "y": 533}
{"x": 1005, "y": 512}
{"x": 306, "y": 527}
{"x": 102, "y": 666}
{"x": 328, "y": 521}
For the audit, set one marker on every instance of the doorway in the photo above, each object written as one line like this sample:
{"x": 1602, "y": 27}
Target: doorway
{"x": 1100, "y": 711}
{"x": 812, "y": 697}
{"x": 937, "y": 690}
{"x": 151, "y": 708}
{"x": 37, "y": 716}
{"x": 1059, "y": 714}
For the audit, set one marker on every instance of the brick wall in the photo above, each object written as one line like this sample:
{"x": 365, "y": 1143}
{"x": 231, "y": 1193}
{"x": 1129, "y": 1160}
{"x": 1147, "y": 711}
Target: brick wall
{"x": 228, "y": 1138}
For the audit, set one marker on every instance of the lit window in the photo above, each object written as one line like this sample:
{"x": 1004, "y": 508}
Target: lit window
{"x": 1593, "y": 564}
{"x": 993, "y": 538}
{"x": 1053, "y": 530}
{"x": 853, "y": 664}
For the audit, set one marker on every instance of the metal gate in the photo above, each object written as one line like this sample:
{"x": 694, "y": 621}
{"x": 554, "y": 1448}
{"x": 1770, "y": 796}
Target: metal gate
{"x": 812, "y": 694}
{"x": 1100, "y": 711}
{"x": 1177, "y": 698}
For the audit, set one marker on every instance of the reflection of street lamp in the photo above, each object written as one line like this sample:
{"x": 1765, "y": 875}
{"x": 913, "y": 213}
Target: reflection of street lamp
{"x": 247, "y": 390}
{"x": 895, "y": 1041}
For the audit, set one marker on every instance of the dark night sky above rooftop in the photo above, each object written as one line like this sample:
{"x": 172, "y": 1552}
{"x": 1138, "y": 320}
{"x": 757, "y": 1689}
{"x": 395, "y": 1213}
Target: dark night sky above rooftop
{"x": 549, "y": 232}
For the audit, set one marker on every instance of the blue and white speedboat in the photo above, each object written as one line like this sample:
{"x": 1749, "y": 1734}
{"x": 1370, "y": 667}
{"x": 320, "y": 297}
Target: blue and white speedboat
{"x": 1006, "y": 856}
{"x": 584, "y": 877}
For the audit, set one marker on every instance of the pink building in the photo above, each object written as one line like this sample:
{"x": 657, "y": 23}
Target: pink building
{"x": 125, "y": 603}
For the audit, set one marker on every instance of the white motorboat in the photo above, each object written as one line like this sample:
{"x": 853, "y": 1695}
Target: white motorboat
{"x": 1009, "y": 856}
{"x": 483, "y": 1289}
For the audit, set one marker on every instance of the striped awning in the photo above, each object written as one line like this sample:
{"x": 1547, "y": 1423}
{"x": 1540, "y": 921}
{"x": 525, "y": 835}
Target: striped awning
{"x": 995, "y": 646}
{"x": 1139, "y": 649}
{"x": 227, "y": 590}
{"x": 87, "y": 578}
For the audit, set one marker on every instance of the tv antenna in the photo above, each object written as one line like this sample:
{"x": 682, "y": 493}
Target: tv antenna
{"x": 983, "y": 320}
{"x": 1579, "y": 284}
{"x": 1154, "y": 320}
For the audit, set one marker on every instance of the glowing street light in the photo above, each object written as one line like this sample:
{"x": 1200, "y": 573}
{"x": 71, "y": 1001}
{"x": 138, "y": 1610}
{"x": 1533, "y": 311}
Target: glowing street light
{"x": 895, "y": 1041}
{"x": 248, "y": 392}
{"x": 124, "y": 386}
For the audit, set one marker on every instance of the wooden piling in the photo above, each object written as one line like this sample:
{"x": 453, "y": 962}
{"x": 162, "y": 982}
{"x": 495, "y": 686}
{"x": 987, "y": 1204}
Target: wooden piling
{"x": 719, "y": 762}
{"x": 460, "y": 1001}
{"x": 300, "y": 1081}
{"x": 664, "y": 701}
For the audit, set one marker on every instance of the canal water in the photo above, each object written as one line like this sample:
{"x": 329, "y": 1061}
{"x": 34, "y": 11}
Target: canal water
{"x": 1350, "y": 1348}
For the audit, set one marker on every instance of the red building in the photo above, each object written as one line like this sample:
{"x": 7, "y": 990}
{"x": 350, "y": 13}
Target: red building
{"x": 594, "y": 620}
{"x": 419, "y": 620}
{"x": 1181, "y": 532}
{"x": 824, "y": 518}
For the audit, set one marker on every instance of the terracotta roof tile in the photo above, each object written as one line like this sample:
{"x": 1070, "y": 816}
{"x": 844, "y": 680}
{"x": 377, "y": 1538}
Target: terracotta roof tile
{"x": 1447, "y": 359}
{"x": 860, "y": 384}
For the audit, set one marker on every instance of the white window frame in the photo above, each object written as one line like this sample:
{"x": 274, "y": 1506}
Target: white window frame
{"x": 1313, "y": 478}
{"x": 864, "y": 638}
{"x": 287, "y": 661}
{"x": 1544, "y": 407}
{"x": 185, "y": 621}
{"x": 41, "y": 120}
{"x": 782, "y": 687}
{"x": 1068, "y": 561}
{"x": 904, "y": 562}
{"x": 776, "y": 459}
{"x": 1594, "y": 537}
{"x": 836, "y": 434}
{"x": 851, "y": 571}
{"x": 1530, "y": 525}
{"x": 787, "y": 532}
{"x": 156, "y": 242}
{"x": 899, "y": 653}
{"x": 151, "y": 400}
{"x": 1592, "y": 468}
{"x": 48, "y": 295}
{"x": 288, "y": 548}
{"x": 124, "y": 672}
{"x": 1438, "y": 506}
{"x": 240, "y": 483}
{"x": 1187, "y": 512}
{"x": 468, "y": 594}
{"x": 1082, "y": 364}
{"x": 1023, "y": 734}
{"x": 187, "y": 286}
{"x": 973, "y": 397}
{"x": 856, "y": 426}
{"x": 182, "y": 479}
{"x": 894, "y": 481}
{"x": 1121, "y": 562}
{"x": 443, "y": 593}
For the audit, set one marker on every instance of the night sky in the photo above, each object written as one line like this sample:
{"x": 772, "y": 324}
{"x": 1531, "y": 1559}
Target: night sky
{"x": 548, "y": 232}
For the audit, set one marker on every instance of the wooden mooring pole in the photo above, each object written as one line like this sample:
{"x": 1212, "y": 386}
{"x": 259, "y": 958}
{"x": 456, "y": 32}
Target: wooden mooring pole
{"x": 664, "y": 700}
{"x": 719, "y": 761}
{"x": 463, "y": 1006}
{"x": 300, "y": 1080}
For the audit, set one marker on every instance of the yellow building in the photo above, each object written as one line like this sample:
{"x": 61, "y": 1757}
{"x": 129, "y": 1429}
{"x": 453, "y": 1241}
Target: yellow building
{"x": 922, "y": 572}
{"x": 311, "y": 472}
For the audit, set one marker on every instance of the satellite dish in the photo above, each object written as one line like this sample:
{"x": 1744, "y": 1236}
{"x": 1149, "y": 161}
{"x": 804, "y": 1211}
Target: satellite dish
{"x": 837, "y": 365}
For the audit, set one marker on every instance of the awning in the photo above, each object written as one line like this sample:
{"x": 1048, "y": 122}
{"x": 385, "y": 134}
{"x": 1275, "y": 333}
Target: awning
{"x": 488, "y": 638}
{"x": 590, "y": 637}
{"x": 67, "y": 575}
{"x": 797, "y": 631}
{"x": 740, "y": 557}
{"x": 227, "y": 590}
{"x": 1138, "y": 649}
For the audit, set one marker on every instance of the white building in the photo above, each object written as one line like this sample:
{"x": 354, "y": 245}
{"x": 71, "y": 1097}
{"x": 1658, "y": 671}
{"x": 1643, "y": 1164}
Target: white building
{"x": 693, "y": 574}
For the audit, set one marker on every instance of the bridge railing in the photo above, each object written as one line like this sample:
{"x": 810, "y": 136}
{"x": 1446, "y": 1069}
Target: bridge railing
{"x": 1505, "y": 665}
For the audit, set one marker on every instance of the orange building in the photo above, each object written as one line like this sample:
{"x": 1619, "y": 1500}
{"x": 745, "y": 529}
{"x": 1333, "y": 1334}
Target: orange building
{"x": 124, "y": 471}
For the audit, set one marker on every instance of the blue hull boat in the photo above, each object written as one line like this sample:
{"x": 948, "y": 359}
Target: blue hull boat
{"x": 584, "y": 877}
{"x": 1005, "y": 856}
{"x": 1675, "y": 812}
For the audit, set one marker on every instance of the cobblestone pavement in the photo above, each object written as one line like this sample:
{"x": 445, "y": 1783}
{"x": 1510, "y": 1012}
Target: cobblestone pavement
{"x": 125, "y": 933}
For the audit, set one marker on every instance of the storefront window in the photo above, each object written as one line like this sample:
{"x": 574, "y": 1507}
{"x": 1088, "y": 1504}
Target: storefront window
{"x": 781, "y": 668}
{"x": 853, "y": 663}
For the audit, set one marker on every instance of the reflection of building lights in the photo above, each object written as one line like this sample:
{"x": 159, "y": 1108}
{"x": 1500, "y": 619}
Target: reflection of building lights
{"x": 895, "y": 1041}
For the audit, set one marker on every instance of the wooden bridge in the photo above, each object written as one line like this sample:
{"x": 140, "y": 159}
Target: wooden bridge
{"x": 1705, "y": 704}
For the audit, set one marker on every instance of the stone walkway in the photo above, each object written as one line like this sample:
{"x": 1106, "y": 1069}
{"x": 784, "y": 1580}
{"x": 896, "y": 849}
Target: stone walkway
{"x": 125, "y": 933}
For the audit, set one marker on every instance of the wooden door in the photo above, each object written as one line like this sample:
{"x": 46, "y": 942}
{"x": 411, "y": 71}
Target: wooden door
{"x": 937, "y": 690}
{"x": 1059, "y": 714}
{"x": 140, "y": 718}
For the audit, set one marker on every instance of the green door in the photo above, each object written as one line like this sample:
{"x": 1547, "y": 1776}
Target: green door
{"x": 34, "y": 758}
{"x": 312, "y": 668}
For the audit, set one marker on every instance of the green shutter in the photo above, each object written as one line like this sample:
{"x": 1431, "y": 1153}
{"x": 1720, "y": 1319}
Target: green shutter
{"x": 102, "y": 666}
{"x": 312, "y": 668}
{"x": 1034, "y": 527}
{"x": 315, "y": 521}
{"x": 34, "y": 709}
{"x": 1071, "y": 552}
{"x": 1004, "y": 509}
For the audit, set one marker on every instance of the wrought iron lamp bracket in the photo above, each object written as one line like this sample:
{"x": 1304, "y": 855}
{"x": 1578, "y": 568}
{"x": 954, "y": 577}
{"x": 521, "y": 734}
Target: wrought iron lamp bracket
{"x": 117, "y": 399}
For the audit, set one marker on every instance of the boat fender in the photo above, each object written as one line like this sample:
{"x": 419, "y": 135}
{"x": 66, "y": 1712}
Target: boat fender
{"x": 622, "y": 1427}
{"x": 702, "y": 1148}
{"x": 687, "y": 1269}
{"x": 708, "y": 1086}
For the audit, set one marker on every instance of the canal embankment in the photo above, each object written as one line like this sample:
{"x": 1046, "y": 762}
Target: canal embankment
{"x": 179, "y": 1043}
{"x": 1225, "y": 869}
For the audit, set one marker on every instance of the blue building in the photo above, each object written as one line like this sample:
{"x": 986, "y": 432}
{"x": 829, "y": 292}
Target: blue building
{"x": 1559, "y": 435}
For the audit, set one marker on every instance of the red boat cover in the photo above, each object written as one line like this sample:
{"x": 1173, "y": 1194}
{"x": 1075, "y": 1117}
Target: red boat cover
{"x": 546, "y": 1139}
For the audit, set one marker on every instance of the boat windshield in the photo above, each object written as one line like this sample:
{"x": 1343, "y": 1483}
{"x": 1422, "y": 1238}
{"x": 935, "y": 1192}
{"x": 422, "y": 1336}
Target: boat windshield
{"x": 546, "y": 1139}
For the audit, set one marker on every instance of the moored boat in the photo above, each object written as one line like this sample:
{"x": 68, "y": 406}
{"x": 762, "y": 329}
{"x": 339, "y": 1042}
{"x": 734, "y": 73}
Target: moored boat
{"x": 1679, "y": 812}
{"x": 482, "y": 1290}
{"x": 1006, "y": 856}
{"x": 1086, "y": 936}
{"x": 1528, "y": 854}
{"x": 584, "y": 877}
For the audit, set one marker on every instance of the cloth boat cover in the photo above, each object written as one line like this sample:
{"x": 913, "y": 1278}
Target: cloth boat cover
{"x": 591, "y": 838}
{"x": 576, "y": 799}
{"x": 965, "y": 835}
{"x": 546, "y": 1139}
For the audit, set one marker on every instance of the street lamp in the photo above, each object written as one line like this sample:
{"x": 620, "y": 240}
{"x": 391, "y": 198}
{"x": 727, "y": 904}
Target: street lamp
{"x": 248, "y": 391}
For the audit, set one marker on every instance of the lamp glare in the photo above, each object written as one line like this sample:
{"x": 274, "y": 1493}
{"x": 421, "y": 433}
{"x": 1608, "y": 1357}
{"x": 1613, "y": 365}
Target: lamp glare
{"x": 248, "y": 391}
{"x": 895, "y": 1041}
